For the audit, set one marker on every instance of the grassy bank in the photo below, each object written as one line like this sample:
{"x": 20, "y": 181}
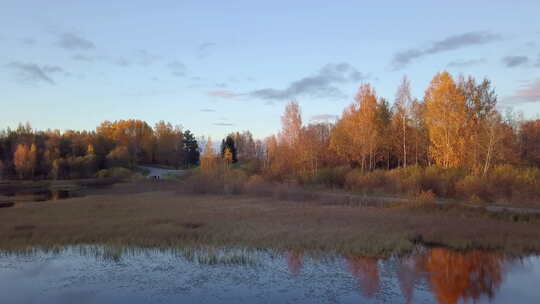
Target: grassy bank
{"x": 156, "y": 215}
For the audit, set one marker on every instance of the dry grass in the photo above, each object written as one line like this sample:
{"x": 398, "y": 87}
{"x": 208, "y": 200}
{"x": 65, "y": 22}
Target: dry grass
{"x": 153, "y": 214}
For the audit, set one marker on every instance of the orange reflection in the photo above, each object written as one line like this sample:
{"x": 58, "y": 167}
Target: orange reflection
{"x": 465, "y": 276}
{"x": 294, "y": 262}
{"x": 366, "y": 271}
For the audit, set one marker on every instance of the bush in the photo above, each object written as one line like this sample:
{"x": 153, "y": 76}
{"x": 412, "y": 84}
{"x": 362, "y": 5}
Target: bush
{"x": 425, "y": 197}
{"x": 203, "y": 183}
{"x": 234, "y": 181}
{"x": 119, "y": 173}
{"x": 508, "y": 183}
{"x": 258, "y": 186}
{"x": 332, "y": 177}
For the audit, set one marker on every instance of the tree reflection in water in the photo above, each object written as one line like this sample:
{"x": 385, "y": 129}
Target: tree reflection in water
{"x": 366, "y": 271}
{"x": 452, "y": 276}
{"x": 465, "y": 276}
{"x": 294, "y": 262}
{"x": 409, "y": 275}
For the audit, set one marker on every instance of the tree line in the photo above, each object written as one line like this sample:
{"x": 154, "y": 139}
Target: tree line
{"x": 26, "y": 153}
{"x": 456, "y": 125}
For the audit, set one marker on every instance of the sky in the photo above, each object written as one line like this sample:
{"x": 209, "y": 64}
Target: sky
{"x": 216, "y": 67}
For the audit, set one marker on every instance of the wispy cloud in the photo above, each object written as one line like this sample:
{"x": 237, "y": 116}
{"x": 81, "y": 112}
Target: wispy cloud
{"x": 515, "y": 61}
{"x": 73, "y": 42}
{"x": 324, "y": 117}
{"x": 145, "y": 58}
{"x": 223, "y": 124}
{"x": 205, "y": 49}
{"x": 466, "y": 63}
{"x": 121, "y": 62}
{"x": 529, "y": 92}
{"x": 28, "y": 41}
{"x": 177, "y": 68}
{"x": 208, "y": 110}
{"x": 31, "y": 72}
{"x": 321, "y": 84}
{"x": 224, "y": 94}
{"x": 403, "y": 58}
{"x": 82, "y": 57}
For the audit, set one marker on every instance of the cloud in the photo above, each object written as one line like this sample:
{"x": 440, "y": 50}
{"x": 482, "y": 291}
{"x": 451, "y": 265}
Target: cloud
{"x": 538, "y": 62}
{"x": 70, "y": 41}
{"x": 121, "y": 62}
{"x": 321, "y": 84}
{"x": 324, "y": 117}
{"x": 178, "y": 69}
{"x": 223, "y": 124}
{"x": 208, "y": 110}
{"x": 466, "y": 63}
{"x": 403, "y": 58}
{"x": 514, "y": 61}
{"x": 81, "y": 57}
{"x": 146, "y": 58}
{"x": 32, "y": 72}
{"x": 224, "y": 94}
{"x": 221, "y": 85}
{"x": 28, "y": 41}
{"x": 529, "y": 92}
{"x": 205, "y": 49}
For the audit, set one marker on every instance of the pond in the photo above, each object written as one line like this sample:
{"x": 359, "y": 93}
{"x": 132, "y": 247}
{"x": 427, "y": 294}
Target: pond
{"x": 41, "y": 195}
{"x": 96, "y": 275}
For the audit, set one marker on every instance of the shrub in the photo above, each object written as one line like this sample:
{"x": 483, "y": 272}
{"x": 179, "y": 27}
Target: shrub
{"x": 258, "y": 186}
{"x": 203, "y": 183}
{"x": 473, "y": 186}
{"x": 234, "y": 181}
{"x": 119, "y": 173}
{"x": 425, "y": 197}
{"x": 332, "y": 177}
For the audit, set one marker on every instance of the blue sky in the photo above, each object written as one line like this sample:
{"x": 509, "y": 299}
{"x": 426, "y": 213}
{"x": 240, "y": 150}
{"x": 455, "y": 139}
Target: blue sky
{"x": 221, "y": 66}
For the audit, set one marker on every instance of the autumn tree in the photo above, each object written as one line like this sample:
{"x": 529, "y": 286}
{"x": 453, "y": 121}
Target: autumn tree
{"x": 24, "y": 160}
{"x": 284, "y": 150}
{"x": 484, "y": 122}
{"x": 401, "y": 118}
{"x": 208, "y": 158}
{"x": 529, "y": 137}
{"x": 419, "y": 132}
{"x": 356, "y": 136}
{"x": 169, "y": 148}
{"x": 383, "y": 121}
{"x": 446, "y": 121}
{"x": 119, "y": 157}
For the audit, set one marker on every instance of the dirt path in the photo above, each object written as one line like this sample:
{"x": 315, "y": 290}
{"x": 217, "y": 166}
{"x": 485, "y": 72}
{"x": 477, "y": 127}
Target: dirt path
{"x": 160, "y": 172}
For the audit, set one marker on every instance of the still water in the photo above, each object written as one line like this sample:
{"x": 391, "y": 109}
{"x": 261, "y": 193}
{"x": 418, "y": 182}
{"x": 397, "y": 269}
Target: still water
{"x": 93, "y": 275}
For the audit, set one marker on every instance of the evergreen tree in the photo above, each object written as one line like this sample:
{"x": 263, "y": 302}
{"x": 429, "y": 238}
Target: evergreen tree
{"x": 191, "y": 149}
{"x": 229, "y": 144}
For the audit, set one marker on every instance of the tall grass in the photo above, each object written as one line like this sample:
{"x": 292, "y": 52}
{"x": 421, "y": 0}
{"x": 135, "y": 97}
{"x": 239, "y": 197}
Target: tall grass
{"x": 502, "y": 183}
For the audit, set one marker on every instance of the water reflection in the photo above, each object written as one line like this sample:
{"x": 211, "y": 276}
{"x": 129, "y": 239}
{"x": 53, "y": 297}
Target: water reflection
{"x": 40, "y": 195}
{"x": 366, "y": 271}
{"x": 466, "y": 276}
{"x": 409, "y": 276}
{"x": 246, "y": 276}
{"x": 294, "y": 262}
